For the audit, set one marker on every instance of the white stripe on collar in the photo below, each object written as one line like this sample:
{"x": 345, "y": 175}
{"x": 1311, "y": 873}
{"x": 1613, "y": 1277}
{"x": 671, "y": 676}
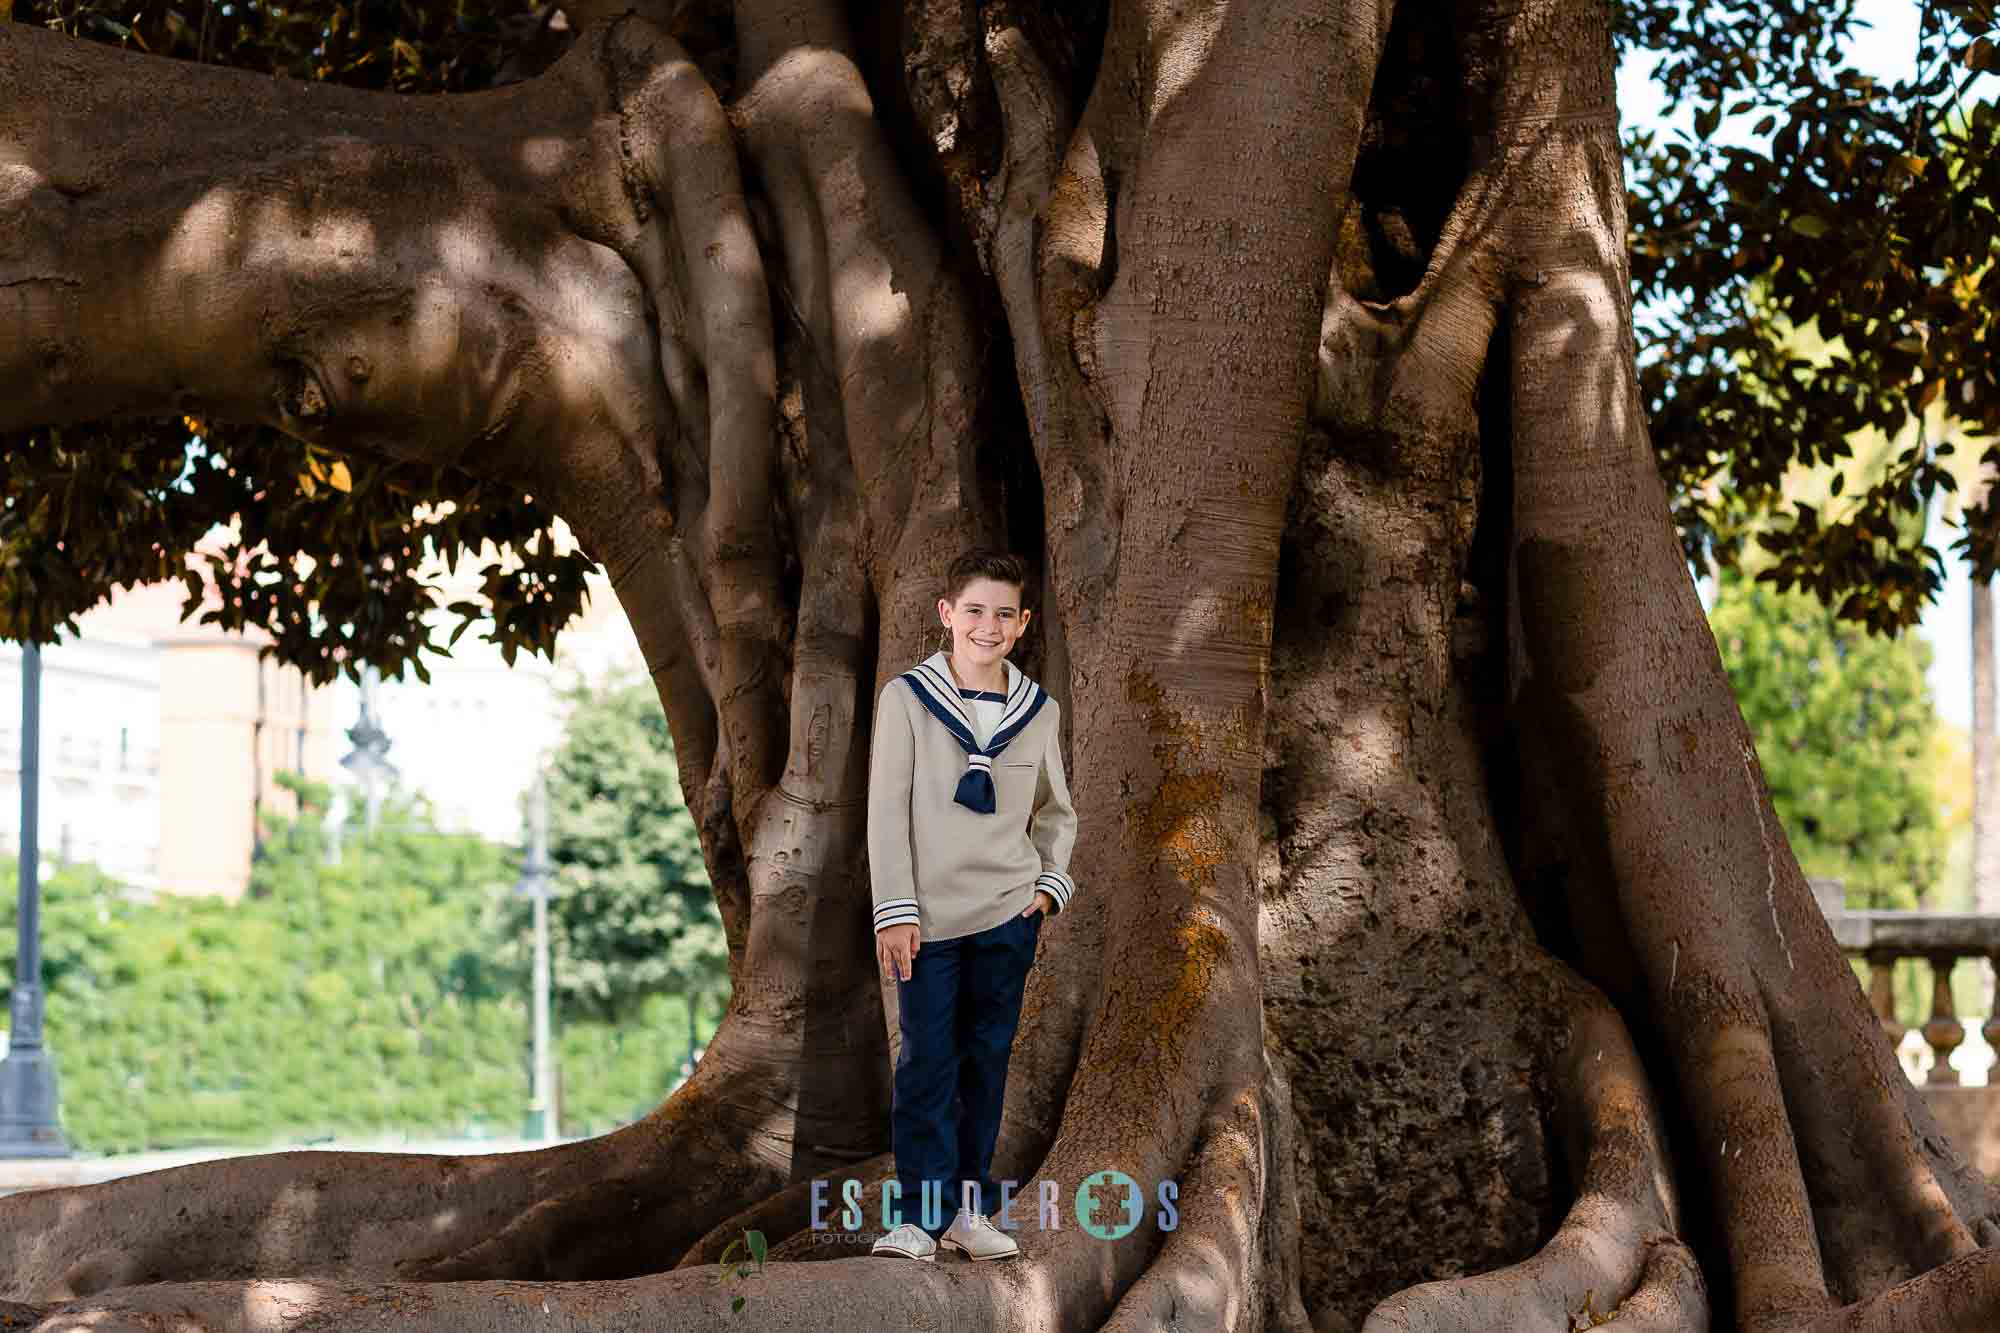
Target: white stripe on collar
{"x": 939, "y": 669}
{"x": 935, "y": 672}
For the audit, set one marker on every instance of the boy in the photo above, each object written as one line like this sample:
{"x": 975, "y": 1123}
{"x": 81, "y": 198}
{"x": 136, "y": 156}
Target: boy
{"x": 969, "y": 834}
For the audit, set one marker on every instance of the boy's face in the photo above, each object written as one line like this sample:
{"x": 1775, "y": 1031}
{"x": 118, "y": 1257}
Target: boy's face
{"x": 986, "y": 621}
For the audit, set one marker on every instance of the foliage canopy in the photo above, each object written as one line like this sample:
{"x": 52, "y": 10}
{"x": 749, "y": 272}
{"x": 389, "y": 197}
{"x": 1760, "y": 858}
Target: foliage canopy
{"x": 1864, "y": 210}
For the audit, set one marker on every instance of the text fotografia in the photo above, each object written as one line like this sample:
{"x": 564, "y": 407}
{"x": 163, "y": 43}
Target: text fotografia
{"x": 1107, "y": 1205}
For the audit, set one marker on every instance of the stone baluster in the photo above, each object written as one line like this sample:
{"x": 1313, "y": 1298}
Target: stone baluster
{"x": 1991, "y": 1029}
{"x": 1882, "y": 995}
{"x": 1944, "y": 1032}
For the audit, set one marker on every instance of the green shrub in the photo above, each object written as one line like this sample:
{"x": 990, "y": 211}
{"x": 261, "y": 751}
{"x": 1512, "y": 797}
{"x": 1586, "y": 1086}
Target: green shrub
{"x": 353, "y": 999}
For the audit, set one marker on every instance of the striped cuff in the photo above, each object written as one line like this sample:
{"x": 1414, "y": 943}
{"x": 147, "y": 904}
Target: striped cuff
{"x": 896, "y": 912}
{"x": 1057, "y": 885}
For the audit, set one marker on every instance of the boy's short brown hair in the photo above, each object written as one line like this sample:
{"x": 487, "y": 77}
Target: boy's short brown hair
{"x": 986, "y": 563}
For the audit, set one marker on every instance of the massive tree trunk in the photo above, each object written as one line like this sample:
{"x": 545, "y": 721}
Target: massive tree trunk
{"x": 1435, "y": 932}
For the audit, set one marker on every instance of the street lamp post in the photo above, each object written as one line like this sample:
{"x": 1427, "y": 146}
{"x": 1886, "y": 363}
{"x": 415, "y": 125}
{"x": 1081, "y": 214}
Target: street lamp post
{"x": 29, "y": 1126}
{"x": 543, "y": 1116}
{"x": 335, "y": 825}
{"x": 369, "y": 760}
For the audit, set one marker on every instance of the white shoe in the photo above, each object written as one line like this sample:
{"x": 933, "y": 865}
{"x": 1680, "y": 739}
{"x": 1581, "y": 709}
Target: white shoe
{"x": 908, "y": 1241}
{"x": 974, "y": 1236}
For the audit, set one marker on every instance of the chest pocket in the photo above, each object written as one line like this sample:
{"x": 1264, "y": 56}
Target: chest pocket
{"x": 1014, "y": 785}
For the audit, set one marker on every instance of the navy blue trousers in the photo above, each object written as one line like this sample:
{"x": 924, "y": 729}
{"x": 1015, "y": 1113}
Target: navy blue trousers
{"x": 959, "y": 1011}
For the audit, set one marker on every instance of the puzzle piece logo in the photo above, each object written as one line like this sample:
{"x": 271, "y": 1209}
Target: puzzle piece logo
{"x": 1108, "y": 1205}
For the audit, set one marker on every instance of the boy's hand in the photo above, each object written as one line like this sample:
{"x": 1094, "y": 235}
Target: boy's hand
{"x": 1043, "y": 902}
{"x": 895, "y": 948}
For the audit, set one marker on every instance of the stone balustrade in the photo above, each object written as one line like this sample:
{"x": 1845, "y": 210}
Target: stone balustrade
{"x": 1941, "y": 939}
{"x": 1944, "y": 941}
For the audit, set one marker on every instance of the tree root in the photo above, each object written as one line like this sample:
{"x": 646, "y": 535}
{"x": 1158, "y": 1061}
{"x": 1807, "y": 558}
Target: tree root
{"x": 628, "y": 1202}
{"x": 1231, "y": 1261}
{"x": 835, "y": 1298}
{"x": 1959, "y": 1296}
{"x": 1617, "y": 1255}
{"x": 783, "y": 1216}
{"x": 1210, "y": 1273}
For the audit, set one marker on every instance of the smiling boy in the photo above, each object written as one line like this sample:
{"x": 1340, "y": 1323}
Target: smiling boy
{"x": 970, "y": 828}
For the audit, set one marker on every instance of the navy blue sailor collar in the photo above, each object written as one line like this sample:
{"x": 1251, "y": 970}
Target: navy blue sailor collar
{"x": 932, "y": 682}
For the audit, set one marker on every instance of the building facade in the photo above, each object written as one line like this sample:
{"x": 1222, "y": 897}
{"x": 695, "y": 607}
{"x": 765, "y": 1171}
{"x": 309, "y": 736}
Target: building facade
{"x": 161, "y": 740}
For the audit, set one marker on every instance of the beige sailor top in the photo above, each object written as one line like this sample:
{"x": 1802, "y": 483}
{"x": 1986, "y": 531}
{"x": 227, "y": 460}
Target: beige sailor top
{"x": 966, "y": 818}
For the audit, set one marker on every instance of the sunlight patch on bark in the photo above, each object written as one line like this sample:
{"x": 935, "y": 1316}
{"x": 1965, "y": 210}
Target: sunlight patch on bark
{"x": 196, "y": 244}
{"x": 1202, "y": 945}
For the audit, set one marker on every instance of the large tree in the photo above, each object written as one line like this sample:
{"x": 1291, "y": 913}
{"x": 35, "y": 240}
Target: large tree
{"x": 1436, "y": 933}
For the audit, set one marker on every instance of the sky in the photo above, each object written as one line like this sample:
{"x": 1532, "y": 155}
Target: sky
{"x": 1886, "y": 48}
